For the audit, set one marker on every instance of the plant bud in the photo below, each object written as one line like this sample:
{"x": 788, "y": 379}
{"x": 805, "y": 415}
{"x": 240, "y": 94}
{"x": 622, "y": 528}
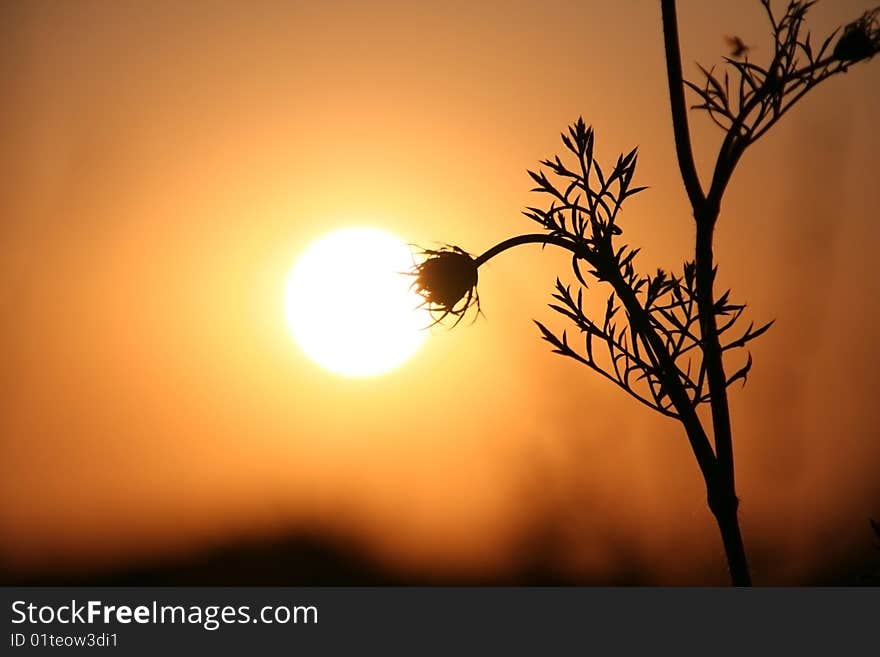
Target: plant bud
{"x": 860, "y": 39}
{"x": 447, "y": 281}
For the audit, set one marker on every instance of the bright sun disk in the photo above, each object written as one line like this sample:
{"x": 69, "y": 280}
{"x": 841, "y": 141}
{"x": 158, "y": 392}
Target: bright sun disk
{"x": 349, "y": 305}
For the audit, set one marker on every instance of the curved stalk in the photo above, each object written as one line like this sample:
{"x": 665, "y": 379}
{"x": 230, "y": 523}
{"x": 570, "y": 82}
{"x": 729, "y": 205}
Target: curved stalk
{"x": 531, "y": 238}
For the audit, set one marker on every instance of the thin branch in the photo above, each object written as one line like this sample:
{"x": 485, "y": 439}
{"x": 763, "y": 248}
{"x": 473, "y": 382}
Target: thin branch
{"x": 679, "y": 110}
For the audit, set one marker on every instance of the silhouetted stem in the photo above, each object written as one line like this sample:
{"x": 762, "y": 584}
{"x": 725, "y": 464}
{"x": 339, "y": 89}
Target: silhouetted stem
{"x": 722, "y": 493}
{"x": 679, "y": 110}
{"x": 712, "y": 353}
{"x": 721, "y": 487}
{"x": 725, "y": 512}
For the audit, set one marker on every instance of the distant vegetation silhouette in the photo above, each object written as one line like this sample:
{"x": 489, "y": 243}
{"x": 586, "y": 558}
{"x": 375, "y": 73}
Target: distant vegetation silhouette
{"x": 315, "y": 557}
{"x": 672, "y": 347}
{"x": 305, "y": 557}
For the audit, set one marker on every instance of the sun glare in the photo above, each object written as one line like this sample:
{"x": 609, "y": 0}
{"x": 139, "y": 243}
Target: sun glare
{"x": 349, "y": 306}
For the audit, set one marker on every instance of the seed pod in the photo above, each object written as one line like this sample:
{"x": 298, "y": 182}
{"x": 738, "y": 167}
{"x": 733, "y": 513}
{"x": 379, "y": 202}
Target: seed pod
{"x": 447, "y": 281}
{"x": 860, "y": 39}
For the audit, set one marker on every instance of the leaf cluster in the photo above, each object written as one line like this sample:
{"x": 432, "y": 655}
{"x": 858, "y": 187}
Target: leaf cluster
{"x": 585, "y": 208}
{"x": 748, "y": 98}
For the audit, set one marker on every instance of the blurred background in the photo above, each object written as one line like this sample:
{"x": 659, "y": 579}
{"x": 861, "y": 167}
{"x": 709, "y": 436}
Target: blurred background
{"x": 164, "y": 164}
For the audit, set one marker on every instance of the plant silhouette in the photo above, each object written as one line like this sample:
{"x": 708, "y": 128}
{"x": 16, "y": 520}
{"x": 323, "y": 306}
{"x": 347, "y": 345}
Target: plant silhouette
{"x": 672, "y": 347}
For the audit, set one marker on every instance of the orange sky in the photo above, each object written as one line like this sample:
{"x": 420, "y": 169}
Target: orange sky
{"x": 163, "y": 165}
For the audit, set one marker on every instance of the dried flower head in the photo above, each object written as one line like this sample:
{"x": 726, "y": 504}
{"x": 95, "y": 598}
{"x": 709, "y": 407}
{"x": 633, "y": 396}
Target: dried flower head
{"x": 447, "y": 281}
{"x": 860, "y": 39}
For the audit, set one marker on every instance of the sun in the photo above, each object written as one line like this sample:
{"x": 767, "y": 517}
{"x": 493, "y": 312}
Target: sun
{"x": 349, "y": 305}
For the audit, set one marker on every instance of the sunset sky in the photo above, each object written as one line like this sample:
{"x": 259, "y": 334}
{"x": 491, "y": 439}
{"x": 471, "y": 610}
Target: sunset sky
{"x": 163, "y": 166}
